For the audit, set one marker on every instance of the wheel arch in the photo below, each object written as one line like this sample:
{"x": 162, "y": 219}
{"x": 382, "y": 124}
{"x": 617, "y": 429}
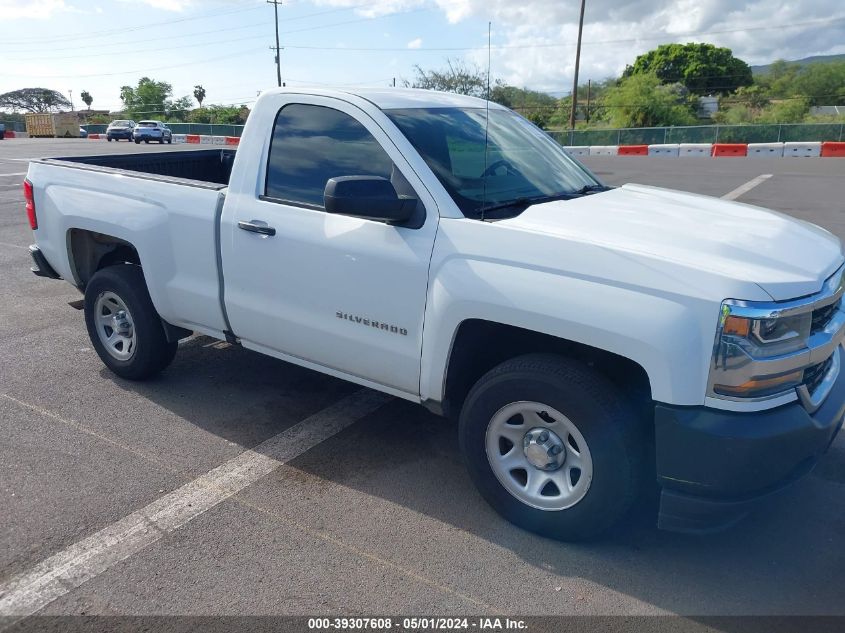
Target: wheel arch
{"x": 472, "y": 355}
{"x": 90, "y": 251}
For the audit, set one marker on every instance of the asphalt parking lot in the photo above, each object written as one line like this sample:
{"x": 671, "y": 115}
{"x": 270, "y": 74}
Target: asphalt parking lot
{"x": 376, "y": 518}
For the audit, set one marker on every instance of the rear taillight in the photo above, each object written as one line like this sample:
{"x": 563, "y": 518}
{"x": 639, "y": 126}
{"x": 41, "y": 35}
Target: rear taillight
{"x": 30, "y": 204}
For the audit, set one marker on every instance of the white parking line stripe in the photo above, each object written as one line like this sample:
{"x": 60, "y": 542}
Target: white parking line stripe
{"x": 50, "y": 579}
{"x": 17, "y": 173}
{"x": 743, "y": 189}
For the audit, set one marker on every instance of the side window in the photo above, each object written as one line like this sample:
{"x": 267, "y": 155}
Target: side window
{"x": 312, "y": 144}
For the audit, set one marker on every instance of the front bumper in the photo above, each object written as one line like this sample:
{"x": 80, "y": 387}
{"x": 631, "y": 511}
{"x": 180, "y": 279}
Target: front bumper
{"x": 714, "y": 466}
{"x": 127, "y": 134}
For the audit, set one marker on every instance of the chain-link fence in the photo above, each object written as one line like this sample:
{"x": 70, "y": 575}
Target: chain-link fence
{"x": 775, "y": 133}
{"x": 807, "y": 132}
{"x": 185, "y": 128}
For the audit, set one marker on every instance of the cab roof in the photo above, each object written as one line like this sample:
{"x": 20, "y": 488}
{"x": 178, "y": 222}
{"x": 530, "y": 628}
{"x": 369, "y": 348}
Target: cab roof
{"x": 397, "y": 98}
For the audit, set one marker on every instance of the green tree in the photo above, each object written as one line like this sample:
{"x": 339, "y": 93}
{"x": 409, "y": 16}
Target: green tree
{"x": 147, "y": 100}
{"x": 821, "y": 84}
{"x": 87, "y": 99}
{"x": 641, "y": 100}
{"x": 34, "y": 100}
{"x": 179, "y": 109}
{"x": 537, "y": 107}
{"x": 457, "y": 76}
{"x": 788, "y": 111}
{"x": 199, "y": 94}
{"x": 703, "y": 68}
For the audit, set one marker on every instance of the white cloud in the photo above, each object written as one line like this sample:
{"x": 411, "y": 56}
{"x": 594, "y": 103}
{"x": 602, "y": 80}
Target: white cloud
{"x": 166, "y": 5}
{"x": 614, "y": 33}
{"x": 539, "y": 36}
{"x": 30, "y": 9}
{"x": 415, "y": 43}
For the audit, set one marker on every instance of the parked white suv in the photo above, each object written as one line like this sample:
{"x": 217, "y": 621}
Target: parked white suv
{"x": 152, "y": 131}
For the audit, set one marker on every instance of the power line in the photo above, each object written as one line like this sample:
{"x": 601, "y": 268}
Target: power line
{"x": 216, "y": 42}
{"x": 140, "y": 27}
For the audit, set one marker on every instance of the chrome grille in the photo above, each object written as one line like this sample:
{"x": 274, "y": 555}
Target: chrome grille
{"x": 814, "y": 374}
{"x": 822, "y": 316}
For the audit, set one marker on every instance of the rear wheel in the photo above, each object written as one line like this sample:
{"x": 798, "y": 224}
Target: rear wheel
{"x": 137, "y": 141}
{"x": 108, "y": 138}
{"x": 552, "y": 446}
{"x": 123, "y": 325}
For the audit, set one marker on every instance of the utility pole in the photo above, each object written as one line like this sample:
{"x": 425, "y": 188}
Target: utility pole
{"x": 276, "y": 4}
{"x": 70, "y": 94}
{"x": 577, "y": 67}
{"x": 589, "y": 95}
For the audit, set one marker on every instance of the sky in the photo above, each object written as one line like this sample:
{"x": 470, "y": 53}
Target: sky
{"x": 224, "y": 45}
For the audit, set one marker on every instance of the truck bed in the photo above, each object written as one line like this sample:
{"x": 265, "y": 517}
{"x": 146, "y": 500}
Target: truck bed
{"x": 205, "y": 167}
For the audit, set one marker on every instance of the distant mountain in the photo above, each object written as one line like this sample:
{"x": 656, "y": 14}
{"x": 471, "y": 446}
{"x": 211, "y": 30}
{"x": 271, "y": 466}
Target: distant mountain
{"x": 817, "y": 59}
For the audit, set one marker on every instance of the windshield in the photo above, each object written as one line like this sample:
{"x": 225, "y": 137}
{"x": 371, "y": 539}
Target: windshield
{"x": 148, "y": 124}
{"x": 120, "y": 123}
{"x": 522, "y": 161}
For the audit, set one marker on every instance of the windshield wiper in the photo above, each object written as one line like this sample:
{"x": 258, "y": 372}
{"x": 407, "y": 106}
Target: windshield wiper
{"x": 528, "y": 201}
{"x": 592, "y": 189}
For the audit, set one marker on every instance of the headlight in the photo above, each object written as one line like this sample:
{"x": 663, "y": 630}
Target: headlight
{"x": 764, "y": 351}
{"x": 758, "y": 357}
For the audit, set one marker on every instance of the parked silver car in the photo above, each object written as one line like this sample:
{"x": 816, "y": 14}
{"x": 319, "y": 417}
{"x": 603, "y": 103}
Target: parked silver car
{"x": 152, "y": 131}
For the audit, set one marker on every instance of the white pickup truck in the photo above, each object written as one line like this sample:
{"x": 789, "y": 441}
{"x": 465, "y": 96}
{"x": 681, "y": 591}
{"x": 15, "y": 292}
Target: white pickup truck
{"x": 589, "y": 340}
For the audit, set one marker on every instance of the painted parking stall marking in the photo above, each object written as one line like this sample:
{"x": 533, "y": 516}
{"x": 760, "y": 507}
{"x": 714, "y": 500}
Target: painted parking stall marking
{"x": 52, "y": 578}
{"x": 743, "y": 189}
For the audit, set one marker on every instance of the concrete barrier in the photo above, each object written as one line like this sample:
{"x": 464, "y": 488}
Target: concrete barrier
{"x": 577, "y": 150}
{"x": 603, "y": 150}
{"x": 833, "y": 150}
{"x": 730, "y": 149}
{"x": 802, "y": 150}
{"x": 218, "y": 140}
{"x": 206, "y": 140}
{"x": 233, "y": 140}
{"x": 699, "y": 150}
{"x": 670, "y": 150}
{"x": 10, "y": 134}
{"x": 192, "y": 138}
{"x": 633, "y": 150}
{"x": 180, "y": 138}
{"x": 765, "y": 149}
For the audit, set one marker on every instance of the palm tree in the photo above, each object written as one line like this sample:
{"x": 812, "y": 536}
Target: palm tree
{"x": 199, "y": 94}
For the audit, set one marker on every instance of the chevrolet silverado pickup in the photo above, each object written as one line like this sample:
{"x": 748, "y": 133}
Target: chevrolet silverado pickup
{"x": 590, "y": 341}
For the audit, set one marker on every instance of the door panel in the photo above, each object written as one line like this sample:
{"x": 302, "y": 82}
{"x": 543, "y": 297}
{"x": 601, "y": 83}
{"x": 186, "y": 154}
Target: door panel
{"x": 343, "y": 292}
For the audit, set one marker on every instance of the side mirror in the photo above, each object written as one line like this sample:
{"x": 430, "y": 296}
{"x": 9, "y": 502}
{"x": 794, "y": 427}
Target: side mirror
{"x": 370, "y": 197}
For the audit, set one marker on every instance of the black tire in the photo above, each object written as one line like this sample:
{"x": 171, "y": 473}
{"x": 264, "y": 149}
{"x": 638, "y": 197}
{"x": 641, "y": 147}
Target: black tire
{"x": 137, "y": 141}
{"x": 109, "y": 139}
{"x": 169, "y": 141}
{"x": 605, "y": 419}
{"x": 147, "y": 141}
{"x": 152, "y": 352}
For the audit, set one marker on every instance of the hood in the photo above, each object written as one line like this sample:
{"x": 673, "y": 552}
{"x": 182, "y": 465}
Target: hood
{"x": 787, "y": 258}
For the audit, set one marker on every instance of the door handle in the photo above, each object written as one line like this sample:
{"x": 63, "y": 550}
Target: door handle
{"x": 257, "y": 226}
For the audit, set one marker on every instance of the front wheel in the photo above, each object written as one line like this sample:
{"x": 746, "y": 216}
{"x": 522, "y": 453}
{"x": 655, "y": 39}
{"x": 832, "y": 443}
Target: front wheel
{"x": 137, "y": 141}
{"x": 123, "y": 325}
{"x": 552, "y": 446}
{"x": 109, "y": 139}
